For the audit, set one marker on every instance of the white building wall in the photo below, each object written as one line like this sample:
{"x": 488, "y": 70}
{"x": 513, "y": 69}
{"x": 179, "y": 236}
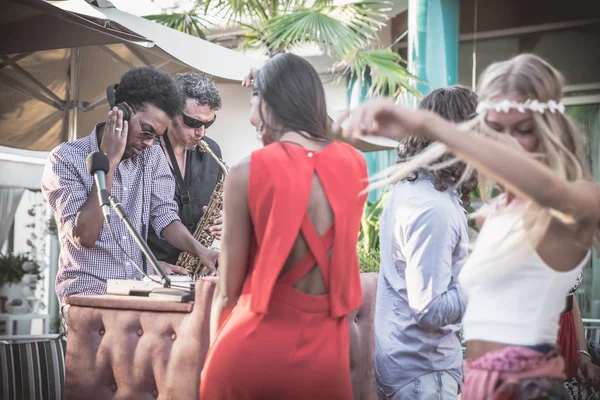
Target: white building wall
{"x": 232, "y": 130}
{"x": 32, "y": 228}
{"x": 574, "y": 53}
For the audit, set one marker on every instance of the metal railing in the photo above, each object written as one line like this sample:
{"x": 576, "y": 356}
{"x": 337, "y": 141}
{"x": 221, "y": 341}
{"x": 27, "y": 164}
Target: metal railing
{"x": 7, "y": 339}
{"x": 592, "y": 329}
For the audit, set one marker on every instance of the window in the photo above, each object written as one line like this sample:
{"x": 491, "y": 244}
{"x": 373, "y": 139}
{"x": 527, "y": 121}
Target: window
{"x": 587, "y": 119}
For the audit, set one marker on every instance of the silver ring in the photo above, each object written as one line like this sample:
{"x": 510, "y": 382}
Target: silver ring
{"x": 118, "y": 129}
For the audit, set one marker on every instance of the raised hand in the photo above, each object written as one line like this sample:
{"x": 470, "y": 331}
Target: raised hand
{"x": 249, "y": 79}
{"x": 114, "y": 137}
{"x": 381, "y": 117}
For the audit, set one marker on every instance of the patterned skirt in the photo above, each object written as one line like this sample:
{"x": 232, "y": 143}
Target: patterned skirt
{"x": 516, "y": 373}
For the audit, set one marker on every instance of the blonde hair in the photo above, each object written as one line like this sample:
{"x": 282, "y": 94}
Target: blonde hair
{"x": 560, "y": 145}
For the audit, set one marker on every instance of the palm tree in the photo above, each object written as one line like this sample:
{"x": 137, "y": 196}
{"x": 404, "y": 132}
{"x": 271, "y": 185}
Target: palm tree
{"x": 189, "y": 22}
{"x": 347, "y": 32}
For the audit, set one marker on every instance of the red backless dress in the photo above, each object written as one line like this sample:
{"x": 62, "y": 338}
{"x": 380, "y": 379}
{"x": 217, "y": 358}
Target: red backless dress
{"x": 280, "y": 343}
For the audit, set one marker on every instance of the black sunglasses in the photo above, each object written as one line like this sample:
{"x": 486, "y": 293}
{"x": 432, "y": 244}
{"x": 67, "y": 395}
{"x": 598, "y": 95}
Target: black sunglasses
{"x": 196, "y": 123}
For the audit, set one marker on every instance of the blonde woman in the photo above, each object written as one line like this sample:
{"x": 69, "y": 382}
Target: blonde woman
{"x": 535, "y": 239}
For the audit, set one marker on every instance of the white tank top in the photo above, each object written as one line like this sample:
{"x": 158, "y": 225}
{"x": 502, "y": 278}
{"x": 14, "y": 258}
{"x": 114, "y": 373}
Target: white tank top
{"x": 514, "y": 297}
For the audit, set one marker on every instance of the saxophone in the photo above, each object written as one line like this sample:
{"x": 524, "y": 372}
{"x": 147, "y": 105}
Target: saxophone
{"x": 190, "y": 261}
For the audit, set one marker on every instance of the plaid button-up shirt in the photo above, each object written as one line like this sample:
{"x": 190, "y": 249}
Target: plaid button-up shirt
{"x": 145, "y": 187}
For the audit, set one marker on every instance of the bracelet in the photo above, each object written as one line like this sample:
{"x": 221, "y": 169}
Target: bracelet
{"x": 584, "y": 352}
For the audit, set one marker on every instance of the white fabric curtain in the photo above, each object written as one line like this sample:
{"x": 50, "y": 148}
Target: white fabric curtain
{"x": 9, "y": 201}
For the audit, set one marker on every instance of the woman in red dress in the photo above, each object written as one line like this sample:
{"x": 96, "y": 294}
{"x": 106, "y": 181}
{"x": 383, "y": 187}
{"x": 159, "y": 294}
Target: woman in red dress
{"x": 288, "y": 274}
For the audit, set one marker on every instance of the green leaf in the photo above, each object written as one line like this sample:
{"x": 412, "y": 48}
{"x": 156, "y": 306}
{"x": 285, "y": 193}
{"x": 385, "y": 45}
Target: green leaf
{"x": 238, "y": 10}
{"x": 337, "y": 29}
{"x": 368, "y": 260}
{"x": 11, "y": 268}
{"x": 386, "y": 68}
{"x": 368, "y": 237}
{"x": 187, "y": 22}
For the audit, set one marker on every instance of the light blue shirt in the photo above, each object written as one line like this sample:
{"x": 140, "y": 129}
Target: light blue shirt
{"x": 419, "y": 307}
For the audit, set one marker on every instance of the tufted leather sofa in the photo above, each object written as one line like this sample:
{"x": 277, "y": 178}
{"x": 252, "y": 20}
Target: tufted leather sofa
{"x": 135, "y": 348}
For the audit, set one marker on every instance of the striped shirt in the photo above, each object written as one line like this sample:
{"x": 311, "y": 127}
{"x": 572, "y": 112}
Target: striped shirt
{"x": 145, "y": 187}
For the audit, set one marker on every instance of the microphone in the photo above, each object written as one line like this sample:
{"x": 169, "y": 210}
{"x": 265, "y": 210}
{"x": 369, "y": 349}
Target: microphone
{"x": 98, "y": 166}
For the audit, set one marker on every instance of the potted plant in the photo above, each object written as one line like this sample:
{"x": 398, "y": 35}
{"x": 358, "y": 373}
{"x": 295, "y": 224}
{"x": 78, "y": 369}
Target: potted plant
{"x": 368, "y": 260}
{"x": 51, "y": 227}
{"x": 17, "y": 306}
{"x": 368, "y": 238}
{"x": 18, "y": 273}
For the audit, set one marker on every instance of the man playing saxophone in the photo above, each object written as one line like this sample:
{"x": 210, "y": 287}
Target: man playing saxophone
{"x": 195, "y": 172}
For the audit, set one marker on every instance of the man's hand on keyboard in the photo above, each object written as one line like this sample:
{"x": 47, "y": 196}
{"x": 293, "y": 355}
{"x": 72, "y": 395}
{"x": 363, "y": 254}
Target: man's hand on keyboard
{"x": 171, "y": 269}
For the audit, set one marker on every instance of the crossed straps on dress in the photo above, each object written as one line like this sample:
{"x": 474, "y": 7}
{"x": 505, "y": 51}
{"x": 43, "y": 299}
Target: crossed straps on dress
{"x": 317, "y": 253}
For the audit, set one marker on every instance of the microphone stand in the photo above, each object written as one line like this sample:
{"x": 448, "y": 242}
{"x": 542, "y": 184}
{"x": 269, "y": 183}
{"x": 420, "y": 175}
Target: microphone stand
{"x": 166, "y": 292}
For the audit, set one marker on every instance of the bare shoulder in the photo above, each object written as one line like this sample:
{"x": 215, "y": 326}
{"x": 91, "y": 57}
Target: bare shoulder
{"x": 242, "y": 168}
{"x": 238, "y": 177}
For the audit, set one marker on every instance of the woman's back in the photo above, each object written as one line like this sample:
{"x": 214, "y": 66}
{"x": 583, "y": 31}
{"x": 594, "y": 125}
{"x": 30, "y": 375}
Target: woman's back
{"x": 320, "y": 213}
{"x": 289, "y": 183}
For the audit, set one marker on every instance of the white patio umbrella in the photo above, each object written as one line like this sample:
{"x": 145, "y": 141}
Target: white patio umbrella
{"x": 53, "y": 90}
{"x": 57, "y": 57}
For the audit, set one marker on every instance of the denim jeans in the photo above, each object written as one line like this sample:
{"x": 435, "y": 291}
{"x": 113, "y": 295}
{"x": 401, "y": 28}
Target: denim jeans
{"x": 438, "y": 385}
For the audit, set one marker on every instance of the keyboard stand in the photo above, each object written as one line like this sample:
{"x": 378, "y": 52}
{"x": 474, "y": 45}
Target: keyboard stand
{"x": 152, "y": 290}
{"x": 172, "y": 294}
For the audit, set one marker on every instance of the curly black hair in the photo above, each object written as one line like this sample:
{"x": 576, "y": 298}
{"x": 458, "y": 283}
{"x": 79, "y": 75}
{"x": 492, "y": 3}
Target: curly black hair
{"x": 457, "y": 104}
{"x": 147, "y": 85}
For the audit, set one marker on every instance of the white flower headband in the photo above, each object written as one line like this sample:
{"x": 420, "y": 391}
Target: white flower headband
{"x": 532, "y": 105}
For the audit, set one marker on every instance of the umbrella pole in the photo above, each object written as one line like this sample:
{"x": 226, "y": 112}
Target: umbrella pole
{"x": 76, "y": 67}
{"x": 72, "y": 96}
{"x": 65, "y": 134}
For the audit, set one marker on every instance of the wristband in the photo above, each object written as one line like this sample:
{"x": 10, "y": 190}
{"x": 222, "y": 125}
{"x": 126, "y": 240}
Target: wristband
{"x": 584, "y": 352}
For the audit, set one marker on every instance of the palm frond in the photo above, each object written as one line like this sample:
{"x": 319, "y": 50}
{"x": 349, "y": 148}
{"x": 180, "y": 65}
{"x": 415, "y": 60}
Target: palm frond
{"x": 238, "y": 10}
{"x": 320, "y": 3}
{"x": 334, "y": 28}
{"x": 187, "y": 22}
{"x": 369, "y": 231}
{"x": 386, "y": 68}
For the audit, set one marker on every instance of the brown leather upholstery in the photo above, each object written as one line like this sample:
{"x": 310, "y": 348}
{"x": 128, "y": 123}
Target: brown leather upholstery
{"x": 134, "y": 352}
{"x": 136, "y": 348}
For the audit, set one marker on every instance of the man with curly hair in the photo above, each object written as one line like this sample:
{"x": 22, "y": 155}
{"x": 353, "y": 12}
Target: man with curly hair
{"x": 195, "y": 173}
{"x": 423, "y": 238}
{"x": 139, "y": 176}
